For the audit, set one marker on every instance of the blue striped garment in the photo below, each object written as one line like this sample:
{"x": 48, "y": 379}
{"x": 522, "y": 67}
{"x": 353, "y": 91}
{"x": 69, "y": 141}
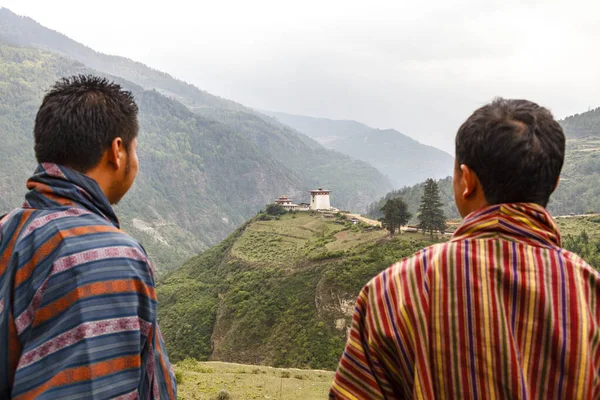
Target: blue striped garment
{"x": 77, "y": 299}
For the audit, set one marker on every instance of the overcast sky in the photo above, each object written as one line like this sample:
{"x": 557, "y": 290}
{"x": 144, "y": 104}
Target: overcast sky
{"x": 419, "y": 67}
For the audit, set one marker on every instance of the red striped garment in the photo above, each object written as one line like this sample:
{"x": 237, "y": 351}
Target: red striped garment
{"x": 500, "y": 311}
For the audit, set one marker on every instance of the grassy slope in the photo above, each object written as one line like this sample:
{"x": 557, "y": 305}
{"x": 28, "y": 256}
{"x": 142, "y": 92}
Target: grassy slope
{"x": 204, "y": 380}
{"x": 574, "y": 226}
{"x": 277, "y": 292}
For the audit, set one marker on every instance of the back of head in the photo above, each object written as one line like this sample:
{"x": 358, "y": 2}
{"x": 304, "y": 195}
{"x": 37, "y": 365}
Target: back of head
{"x": 78, "y": 120}
{"x": 516, "y": 148}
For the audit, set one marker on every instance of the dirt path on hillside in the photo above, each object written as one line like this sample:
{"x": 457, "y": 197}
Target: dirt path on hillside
{"x": 367, "y": 221}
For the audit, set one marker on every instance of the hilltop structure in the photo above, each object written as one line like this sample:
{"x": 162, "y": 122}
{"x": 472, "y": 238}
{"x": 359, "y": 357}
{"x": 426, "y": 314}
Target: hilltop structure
{"x": 319, "y": 199}
{"x": 287, "y": 204}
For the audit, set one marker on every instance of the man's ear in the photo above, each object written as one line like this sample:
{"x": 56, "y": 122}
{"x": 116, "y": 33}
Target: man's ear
{"x": 469, "y": 179}
{"x": 557, "y": 182}
{"x": 115, "y": 153}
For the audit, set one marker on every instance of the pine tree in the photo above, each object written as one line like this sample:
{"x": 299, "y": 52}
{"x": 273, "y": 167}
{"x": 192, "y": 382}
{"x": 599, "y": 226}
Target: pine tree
{"x": 395, "y": 215}
{"x": 431, "y": 216}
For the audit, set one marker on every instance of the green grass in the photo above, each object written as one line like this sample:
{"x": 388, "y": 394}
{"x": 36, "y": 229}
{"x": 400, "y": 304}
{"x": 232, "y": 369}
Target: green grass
{"x": 204, "y": 380}
{"x": 574, "y": 226}
{"x": 287, "y": 240}
{"x": 347, "y": 239}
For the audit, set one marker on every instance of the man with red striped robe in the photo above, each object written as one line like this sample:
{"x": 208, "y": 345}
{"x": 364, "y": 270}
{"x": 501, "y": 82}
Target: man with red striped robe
{"x": 501, "y": 311}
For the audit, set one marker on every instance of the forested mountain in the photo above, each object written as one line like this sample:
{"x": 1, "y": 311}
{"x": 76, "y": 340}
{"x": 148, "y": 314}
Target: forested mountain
{"x": 579, "y": 188}
{"x": 583, "y": 125}
{"x": 402, "y": 159}
{"x": 200, "y": 177}
{"x": 25, "y": 32}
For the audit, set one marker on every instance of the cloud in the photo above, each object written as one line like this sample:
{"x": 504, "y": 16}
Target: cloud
{"x": 419, "y": 67}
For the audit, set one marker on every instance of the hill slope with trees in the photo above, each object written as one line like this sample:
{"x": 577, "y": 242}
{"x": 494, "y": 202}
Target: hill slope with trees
{"x": 278, "y": 291}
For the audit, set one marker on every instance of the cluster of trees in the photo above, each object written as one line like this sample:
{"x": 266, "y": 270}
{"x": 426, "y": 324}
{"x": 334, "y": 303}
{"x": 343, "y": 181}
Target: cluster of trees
{"x": 395, "y": 215}
{"x": 275, "y": 209}
{"x": 584, "y": 247}
{"x": 431, "y": 214}
{"x": 412, "y": 195}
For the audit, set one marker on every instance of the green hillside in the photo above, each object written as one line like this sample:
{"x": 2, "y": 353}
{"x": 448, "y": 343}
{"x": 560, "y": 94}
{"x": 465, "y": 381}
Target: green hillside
{"x": 25, "y": 32}
{"x": 276, "y": 292}
{"x": 281, "y": 291}
{"x": 402, "y": 159}
{"x": 579, "y": 188}
{"x": 586, "y": 124}
{"x": 200, "y": 178}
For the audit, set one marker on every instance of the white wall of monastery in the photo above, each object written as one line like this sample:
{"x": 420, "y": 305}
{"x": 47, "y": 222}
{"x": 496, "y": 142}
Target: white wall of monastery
{"x": 319, "y": 201}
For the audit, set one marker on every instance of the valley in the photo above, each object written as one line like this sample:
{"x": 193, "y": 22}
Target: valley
{"x": 253, "y": 304}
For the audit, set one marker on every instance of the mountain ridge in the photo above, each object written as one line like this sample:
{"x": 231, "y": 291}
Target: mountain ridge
{"x": 404, "y": 160}
{"x": 227, "y": 170}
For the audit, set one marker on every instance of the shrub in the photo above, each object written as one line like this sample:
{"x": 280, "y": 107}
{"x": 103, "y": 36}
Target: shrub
{"x": 265, "y": 217}
{"x": 223, "y": 395}
{"x": 179, "y": 377}
{"x": 275, "y": 209}
{"x": 285, "y": 374}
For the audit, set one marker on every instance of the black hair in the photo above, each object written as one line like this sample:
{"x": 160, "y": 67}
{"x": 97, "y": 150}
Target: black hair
{"x": 516, "y": 148}
{"x": 79, "y": 118}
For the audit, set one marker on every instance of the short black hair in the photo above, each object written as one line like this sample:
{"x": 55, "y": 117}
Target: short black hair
{"x": 516, "y": 148}
{"x": 79, "y": 118}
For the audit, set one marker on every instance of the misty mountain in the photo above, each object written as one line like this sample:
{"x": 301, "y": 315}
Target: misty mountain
{"x": 586, "y": 124}
{"x": 204, "y": 169}
{"x": 402, "y": 159}
{"x": 579, "y": 187}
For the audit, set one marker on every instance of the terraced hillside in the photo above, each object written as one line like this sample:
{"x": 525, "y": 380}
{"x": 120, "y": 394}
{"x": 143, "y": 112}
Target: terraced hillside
{"x": 279, "y": 291}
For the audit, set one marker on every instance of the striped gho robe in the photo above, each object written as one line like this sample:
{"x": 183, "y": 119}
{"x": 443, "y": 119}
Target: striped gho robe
{"x": 77, "y": 299}
{"x": 501, "y": 311}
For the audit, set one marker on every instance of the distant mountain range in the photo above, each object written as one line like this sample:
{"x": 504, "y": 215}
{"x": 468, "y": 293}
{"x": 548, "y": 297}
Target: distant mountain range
{"x": 207, "y": 164}
{"x": 579, "y": 188}
{"x": 402, "y": 159}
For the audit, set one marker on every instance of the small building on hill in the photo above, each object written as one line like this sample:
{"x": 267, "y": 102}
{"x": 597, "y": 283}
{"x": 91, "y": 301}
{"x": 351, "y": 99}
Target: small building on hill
{"x": 286, "y": 203}
{"x": 283, "y": 200}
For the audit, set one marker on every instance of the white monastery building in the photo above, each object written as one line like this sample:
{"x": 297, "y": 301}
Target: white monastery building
{"x": 319, "y": 199}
